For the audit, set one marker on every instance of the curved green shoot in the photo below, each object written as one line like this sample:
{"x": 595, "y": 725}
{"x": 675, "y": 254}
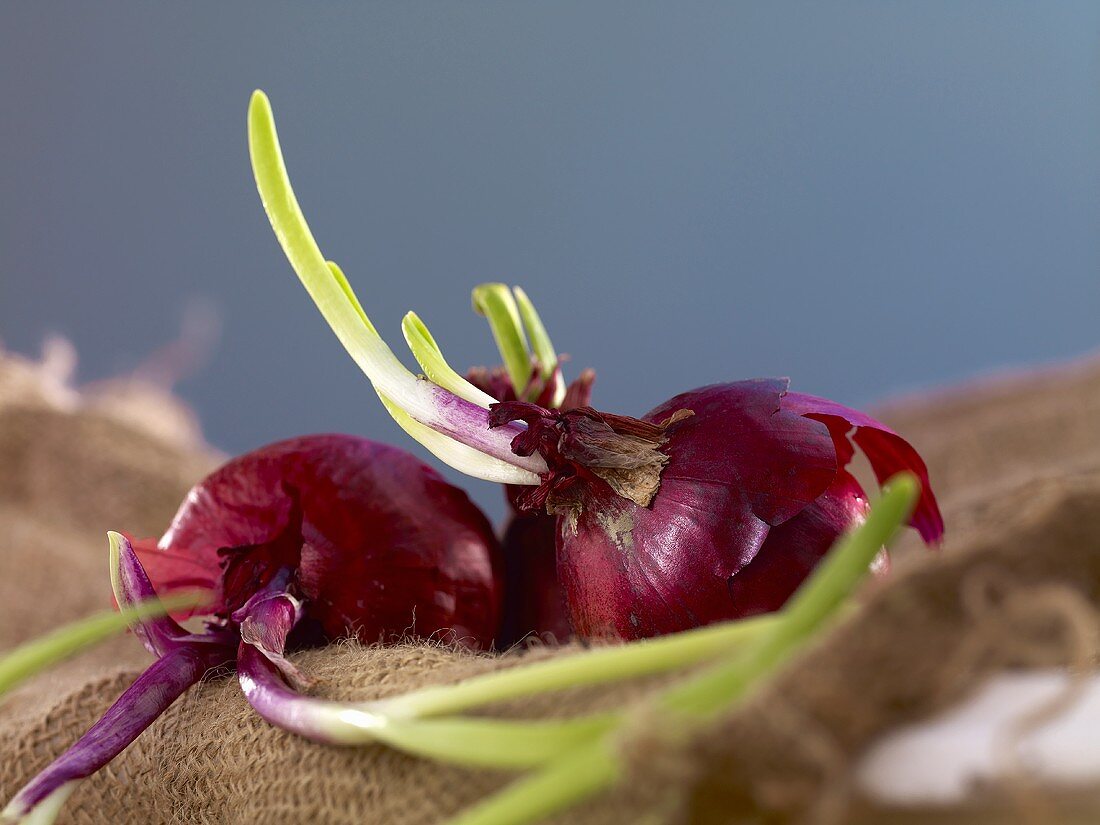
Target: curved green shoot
{"x": 325, "y": 284}
{"x": 484, "y": 743}
{"x": 431, "y": 360}
{"x": 580, "y": 775}
{"x": 456, "y": 454}
{"x": 591, "y": 667}
{"x": 541, "y": 344}
{"x": 353, "y": 299}
{"x": 423, "y": 401}
{"x": 474, "y": 741}
{"x": 29, "y": 659}
{"x": 495, "y": 302}
{"x": 595, "y": 766}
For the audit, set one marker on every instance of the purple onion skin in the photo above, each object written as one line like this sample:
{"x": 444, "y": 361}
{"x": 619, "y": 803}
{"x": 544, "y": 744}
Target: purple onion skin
{"x": 380, "y": 544}
{"x": 752, "y": 495}
{"x": 793, "y": 548}
{"x": 534, "y": 600}
{"x": 146, "y": 699}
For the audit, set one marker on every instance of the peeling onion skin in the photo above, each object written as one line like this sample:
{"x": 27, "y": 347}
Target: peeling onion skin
{"x": 793, "y": 548}
{"x": 382, "y": 546}
{"x": 753, "y": 493}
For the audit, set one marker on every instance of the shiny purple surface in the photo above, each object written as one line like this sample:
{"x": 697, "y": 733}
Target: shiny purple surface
{"x": 380, "y": 544}
{"x": 159, "y": 634}
{"x": 534, "y": 600}
{"x": 157, "y": 688}
{"x": 752, "y": 495}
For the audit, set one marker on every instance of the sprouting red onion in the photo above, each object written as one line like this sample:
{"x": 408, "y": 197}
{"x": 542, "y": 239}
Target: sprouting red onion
{"x": 713, "y": 506}
{"x": 656, "y": 516}
{"x": 380, "y": 544}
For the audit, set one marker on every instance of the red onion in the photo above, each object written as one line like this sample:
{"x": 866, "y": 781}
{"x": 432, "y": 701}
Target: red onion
{"x": 713, "y": 506}
{"x": 381, "y": 544}
{"x": 321, "y": 536}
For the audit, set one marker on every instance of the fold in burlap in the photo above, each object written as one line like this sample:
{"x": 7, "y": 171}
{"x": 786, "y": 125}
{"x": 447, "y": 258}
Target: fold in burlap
{"x": 1017, "y": 585}
{"x": 1024, "y": 593}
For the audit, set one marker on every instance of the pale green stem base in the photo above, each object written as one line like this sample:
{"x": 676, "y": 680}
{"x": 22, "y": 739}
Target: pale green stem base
{"x": 592, "y": 667}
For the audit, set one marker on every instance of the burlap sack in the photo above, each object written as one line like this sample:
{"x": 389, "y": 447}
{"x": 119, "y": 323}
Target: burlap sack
{"x": 1017, "y": 584}
{"x": 72, "y": 466}
{"x": 1005, "y": 429}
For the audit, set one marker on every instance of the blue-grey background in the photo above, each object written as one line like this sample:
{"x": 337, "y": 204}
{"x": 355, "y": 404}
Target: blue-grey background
{"x": 870, "y": 197}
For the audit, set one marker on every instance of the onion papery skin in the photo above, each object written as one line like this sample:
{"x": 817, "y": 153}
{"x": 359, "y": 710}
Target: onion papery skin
{"x": 380, "y": 545}
{"x": 745, "y": 480}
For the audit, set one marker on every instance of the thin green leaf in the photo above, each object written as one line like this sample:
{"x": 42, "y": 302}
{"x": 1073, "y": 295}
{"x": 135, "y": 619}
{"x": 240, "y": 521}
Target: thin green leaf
{"x": 600, "y": 665}
{"x": 331, "y": 292}
{"x": 435, "y": 366}
{"x": 808, "y": 610}
{"x": 326, "y": 284}
{"x": 541, "y": 344}
{"x": 496, "y": 303}
{"x": 474, "y": 742}
{"x": 353, "y": 299}
{"x": 25, "y": 661}
{"x": 579, "y": 775}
